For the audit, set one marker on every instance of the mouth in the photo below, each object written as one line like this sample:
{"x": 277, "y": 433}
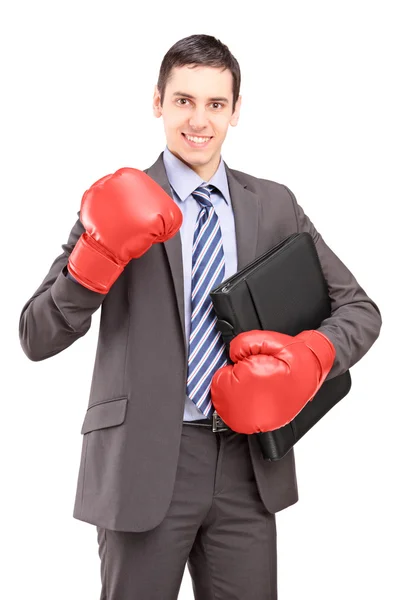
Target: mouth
{"x": 197, "y": 141}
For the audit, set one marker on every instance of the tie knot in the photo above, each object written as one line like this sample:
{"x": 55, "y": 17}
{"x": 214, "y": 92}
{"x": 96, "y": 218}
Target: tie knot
{"x": 202, "y": 194}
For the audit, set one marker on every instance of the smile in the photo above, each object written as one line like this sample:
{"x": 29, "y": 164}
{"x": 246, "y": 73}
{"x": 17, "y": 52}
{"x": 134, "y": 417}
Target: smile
{"x": 197, "y": 141}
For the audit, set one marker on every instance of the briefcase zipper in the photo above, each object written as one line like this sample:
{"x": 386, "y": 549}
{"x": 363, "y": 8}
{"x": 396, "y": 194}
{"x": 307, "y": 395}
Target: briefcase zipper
{"x": 237, "y": 277}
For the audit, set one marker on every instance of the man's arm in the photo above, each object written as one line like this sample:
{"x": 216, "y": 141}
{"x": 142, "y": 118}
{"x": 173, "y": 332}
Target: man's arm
{"x": 68, "y": 274}
{"x": 60, "y": 310}
{"x": 355, "y": 320}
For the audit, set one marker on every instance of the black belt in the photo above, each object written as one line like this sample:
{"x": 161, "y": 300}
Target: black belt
{"x": 216, "y": 424}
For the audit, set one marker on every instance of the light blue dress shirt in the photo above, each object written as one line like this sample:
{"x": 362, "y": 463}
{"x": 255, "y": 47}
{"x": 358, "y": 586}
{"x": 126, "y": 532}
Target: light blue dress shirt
{"x": 183, "y": 181}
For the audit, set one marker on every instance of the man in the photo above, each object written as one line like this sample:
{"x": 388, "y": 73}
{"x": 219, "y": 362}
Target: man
{"x": 161, "y": 486}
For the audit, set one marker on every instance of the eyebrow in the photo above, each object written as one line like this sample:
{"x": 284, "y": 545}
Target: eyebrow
{"x": 216, "y": 99}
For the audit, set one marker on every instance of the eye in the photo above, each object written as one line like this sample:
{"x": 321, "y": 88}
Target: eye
{"x": 212, "y": 103}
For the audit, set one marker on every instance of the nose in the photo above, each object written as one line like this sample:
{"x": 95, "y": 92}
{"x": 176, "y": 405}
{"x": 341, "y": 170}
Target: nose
{"x": 198, "y": 119}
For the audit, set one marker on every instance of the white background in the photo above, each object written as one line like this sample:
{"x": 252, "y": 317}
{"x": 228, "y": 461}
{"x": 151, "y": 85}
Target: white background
{"x": 320, "y": 113}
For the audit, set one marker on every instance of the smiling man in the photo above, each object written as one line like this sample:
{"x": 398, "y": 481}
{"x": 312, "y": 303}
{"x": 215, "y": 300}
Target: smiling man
{"x": 165, "y": 485}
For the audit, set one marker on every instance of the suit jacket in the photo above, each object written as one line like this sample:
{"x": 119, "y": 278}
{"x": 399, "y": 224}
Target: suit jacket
{"x": 132, "y": 426}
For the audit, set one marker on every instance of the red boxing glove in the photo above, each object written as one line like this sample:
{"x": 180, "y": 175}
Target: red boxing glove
{"x": 123, "y": 215}
{"x": 273, "y": 378}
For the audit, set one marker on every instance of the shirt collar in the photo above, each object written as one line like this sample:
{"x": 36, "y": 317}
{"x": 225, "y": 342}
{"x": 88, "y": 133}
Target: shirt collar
{"x": 184, "y": 180}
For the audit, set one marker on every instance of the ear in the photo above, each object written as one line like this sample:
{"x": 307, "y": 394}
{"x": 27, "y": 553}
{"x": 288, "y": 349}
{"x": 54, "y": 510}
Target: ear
{"x": 235, "y": 116}
{"x": 157, "y": 108}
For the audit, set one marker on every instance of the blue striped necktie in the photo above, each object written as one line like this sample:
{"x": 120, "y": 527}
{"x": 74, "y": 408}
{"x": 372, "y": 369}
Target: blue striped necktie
{"x": 206, "y": 347}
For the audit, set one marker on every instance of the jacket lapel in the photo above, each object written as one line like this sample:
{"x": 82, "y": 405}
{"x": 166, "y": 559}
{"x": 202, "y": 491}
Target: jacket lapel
{"x": 245, "y": 205}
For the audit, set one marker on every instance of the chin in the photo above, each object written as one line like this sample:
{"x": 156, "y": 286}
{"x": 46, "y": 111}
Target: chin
{"x": 192, "y": 158}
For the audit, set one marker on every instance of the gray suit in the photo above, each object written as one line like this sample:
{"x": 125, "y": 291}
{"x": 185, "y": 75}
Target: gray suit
{"x": 133, "y": 425}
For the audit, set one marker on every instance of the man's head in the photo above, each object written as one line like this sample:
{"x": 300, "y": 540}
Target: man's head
{"x": 197, "y": 94}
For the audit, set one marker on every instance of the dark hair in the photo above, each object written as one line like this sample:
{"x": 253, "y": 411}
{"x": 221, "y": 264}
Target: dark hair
{"x": 203, "y": 50}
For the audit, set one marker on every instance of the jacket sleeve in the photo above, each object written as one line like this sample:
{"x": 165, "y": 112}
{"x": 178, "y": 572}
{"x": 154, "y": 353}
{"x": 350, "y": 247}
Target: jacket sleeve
{"x": 60, "y": 310}
{"x": 355, "y": 321}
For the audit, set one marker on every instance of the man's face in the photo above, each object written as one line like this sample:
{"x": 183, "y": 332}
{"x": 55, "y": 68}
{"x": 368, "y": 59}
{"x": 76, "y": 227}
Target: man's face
{"x": 198, "y": 102}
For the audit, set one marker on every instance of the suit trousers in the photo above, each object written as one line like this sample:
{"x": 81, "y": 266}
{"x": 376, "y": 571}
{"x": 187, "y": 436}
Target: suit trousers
{"x": 216, "y": 523}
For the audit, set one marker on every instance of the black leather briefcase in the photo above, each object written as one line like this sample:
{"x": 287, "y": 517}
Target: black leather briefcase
{"x": 282, "y": 290}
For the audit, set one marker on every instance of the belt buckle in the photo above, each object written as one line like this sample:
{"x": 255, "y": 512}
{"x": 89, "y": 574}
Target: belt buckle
{"x": 217, "y": 423}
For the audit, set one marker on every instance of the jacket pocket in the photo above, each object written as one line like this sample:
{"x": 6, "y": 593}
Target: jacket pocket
{"x": 105, "y": 414}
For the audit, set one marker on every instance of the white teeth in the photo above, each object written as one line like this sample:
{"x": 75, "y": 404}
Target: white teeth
{"x": 197, "y": 140}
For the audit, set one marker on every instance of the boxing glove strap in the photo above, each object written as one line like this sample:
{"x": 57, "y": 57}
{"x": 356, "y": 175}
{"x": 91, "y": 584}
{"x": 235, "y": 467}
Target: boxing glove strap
{"x": 323, "y": 349}
{"x": 91, "y": 266}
